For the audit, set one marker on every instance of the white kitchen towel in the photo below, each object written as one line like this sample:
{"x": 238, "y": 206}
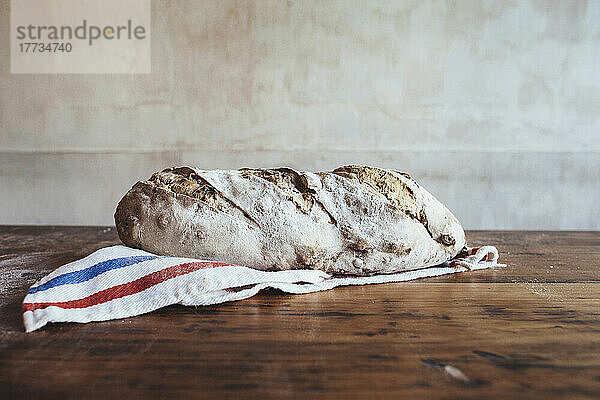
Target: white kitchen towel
{"x": 118, "y": 282}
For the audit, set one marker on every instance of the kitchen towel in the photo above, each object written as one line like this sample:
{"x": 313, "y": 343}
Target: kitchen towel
{"x": 119, "y": 282}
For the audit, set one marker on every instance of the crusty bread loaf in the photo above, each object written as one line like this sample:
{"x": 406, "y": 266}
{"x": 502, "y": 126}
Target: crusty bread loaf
{"x": 354, "y": 220}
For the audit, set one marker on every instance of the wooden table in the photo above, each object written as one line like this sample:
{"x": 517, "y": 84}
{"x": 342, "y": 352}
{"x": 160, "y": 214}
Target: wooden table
{"x": 530, "y": 330}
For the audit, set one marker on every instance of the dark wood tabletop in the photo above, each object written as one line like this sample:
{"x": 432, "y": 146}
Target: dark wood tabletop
{"x": 530, "y": 330}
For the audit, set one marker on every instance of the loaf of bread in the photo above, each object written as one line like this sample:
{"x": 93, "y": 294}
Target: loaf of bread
{"x": 354, "y": 220}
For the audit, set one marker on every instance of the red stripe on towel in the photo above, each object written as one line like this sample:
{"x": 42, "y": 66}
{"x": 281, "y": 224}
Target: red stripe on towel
{"x": 127, "y": 289}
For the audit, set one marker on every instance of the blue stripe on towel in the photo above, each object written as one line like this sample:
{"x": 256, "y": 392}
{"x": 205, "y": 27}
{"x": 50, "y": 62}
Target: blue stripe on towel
{"x": 90, "y": 272}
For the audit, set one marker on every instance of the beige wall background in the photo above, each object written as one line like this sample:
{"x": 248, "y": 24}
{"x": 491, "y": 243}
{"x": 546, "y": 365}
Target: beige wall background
{"x": 494, "y": 106}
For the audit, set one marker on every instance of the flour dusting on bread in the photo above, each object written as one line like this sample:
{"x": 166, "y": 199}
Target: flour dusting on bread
{"x": 355, "y": 219}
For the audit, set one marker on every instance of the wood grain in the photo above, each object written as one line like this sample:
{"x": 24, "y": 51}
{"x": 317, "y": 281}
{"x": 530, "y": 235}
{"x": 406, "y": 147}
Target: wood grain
{"x": 531, "y": 330}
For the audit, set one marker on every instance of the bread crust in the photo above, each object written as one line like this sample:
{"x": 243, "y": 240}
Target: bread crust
{"x": 355, "y": 219}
